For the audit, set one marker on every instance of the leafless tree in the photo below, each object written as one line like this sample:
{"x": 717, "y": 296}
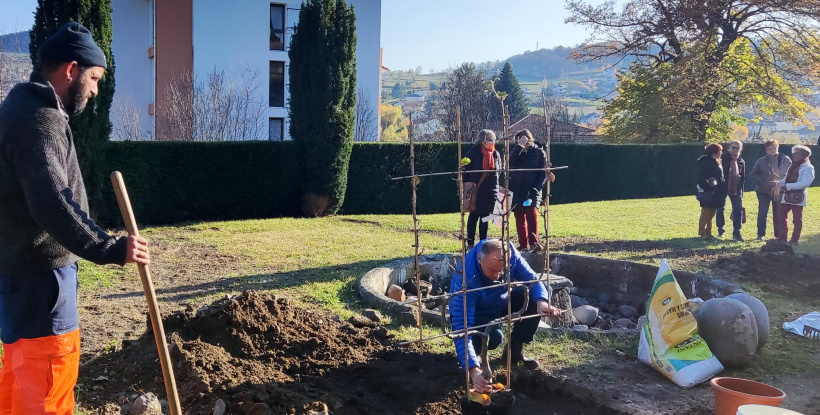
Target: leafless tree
{"x": 15, "y": 65}
{"x": 464, "y": 87}
{"x": 220, "y": 108}
{"x": 127, "y": 127}
{"x": 366, "y": 122}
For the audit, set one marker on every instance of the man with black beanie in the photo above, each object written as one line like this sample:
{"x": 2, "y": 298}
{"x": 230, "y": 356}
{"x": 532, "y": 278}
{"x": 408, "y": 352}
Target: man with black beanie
{"x": 45, "y": 228}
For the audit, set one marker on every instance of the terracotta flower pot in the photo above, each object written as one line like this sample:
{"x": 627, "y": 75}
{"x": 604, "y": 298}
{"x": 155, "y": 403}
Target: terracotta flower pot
{"x": 730, "y": 393}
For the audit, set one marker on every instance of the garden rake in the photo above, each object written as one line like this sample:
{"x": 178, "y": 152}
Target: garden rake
{"x": 811, "y": 332}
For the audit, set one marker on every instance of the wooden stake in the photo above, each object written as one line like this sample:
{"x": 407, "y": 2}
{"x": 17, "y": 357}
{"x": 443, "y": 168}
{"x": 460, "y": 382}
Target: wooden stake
{"x": 150, "y": 295}
{"x": 415, "y": 228}
{"x": 505, "y": 235}
{"x": 463, "y": 246}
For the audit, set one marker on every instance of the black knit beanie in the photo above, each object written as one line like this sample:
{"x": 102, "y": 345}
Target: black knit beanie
{"x": 73, "y": 42}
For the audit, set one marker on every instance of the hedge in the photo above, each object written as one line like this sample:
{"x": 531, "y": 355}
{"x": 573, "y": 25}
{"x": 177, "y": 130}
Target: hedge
{"x": 172, "y": 182}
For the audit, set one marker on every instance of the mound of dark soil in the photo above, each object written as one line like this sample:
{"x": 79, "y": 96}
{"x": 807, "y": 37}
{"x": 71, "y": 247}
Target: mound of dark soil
{"x": 258, "y": 350}
{"x": 261, "y": 355}
{"x": 776, "y": 268}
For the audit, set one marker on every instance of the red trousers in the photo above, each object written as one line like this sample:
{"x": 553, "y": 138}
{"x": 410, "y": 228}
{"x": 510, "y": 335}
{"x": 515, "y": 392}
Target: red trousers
{"x": 526, "y": 225}
{"x": 38, "y": 375}
{"x": 797, "y": 221}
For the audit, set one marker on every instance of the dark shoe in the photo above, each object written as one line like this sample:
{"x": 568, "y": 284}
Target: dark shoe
{"x": 518, "y": 357}
{"x": 522, "y": 248}
{"x": 738, "y": 238}
{"x": 761, "y": 238}
{"x": 470, "y": 244}
{"x": 720, "y": 234}
{"x": 536, "y": 248}
{"x": 794, "y": 243}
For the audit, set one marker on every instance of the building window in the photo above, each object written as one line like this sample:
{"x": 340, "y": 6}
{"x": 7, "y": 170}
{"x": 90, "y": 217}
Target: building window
{"x": 276, "y": 96}
{"x": 277, "y": 26}
{"x": 276, "y": 129}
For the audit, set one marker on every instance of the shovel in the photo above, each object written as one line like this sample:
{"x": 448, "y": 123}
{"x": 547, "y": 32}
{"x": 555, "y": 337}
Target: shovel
{"x": 148, "y": 287}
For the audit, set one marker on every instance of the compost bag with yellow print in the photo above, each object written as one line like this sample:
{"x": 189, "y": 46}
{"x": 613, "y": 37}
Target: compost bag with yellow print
{"x": 669, "y": 335}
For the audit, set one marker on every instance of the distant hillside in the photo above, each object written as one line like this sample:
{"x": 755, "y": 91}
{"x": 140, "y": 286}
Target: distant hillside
{"x": 549, "y": 63}
{"x": 15, "y": 42}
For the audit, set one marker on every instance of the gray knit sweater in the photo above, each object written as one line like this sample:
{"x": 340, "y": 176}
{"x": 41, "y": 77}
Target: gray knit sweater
{"x": 43, "y": 205}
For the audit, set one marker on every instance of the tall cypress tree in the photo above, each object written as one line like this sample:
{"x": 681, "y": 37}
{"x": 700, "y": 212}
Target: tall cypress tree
{"x": 92, "y": 127}
{"x": 507, "y": 82}
{"x": 322, "y": 75}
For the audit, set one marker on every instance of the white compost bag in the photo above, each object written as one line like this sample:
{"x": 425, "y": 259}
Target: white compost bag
{"x": 669, "y": 335}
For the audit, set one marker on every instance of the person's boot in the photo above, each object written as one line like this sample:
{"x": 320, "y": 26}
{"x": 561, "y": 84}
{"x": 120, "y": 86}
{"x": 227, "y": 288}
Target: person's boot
{"x": 517, "y": 353}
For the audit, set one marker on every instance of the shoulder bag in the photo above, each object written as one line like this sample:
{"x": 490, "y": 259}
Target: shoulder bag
{"x": 470, "y": 194}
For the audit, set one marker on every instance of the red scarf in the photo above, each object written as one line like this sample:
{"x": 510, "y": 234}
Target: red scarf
{"x": 793, "y": 174}
{"x": 489, "y": 160}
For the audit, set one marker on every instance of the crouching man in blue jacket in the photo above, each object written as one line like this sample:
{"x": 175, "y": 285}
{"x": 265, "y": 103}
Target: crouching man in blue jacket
{"x": 484, "y": 267}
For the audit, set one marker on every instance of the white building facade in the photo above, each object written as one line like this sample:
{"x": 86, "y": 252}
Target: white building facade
{"x": 157, "y": 42}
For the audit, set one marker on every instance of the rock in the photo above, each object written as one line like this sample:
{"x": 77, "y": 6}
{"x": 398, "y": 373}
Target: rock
{"x": 761, "y": 315}
{"x": 593, "y": 302}
{"x": 585, "y": 314}
{"x": 379, "y": 332}
{"x": 603, "y": 324}
{"x": 146, "y": 404}
{"x": 409, "y": 317}
{"x": 219, "y": 407}
{"x": 604, "y": 298}
{"x": 627, "y": 311}
{"x": 373, "y": 315}
{"x": 577, "y": 301}
{"x": 336, "y": 319}
{"x": 624, "y": 323}
{"x": 610, "y": 308}
{"x": 360, "y": 321}
{"x": 396, "y": 293}
{"x": 642, "y": 308}
{"x": 580, "y": 327}
{"x": 729, "y": 328}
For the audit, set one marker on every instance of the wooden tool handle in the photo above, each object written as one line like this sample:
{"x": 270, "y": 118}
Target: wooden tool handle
{"x": 150, "y": 295}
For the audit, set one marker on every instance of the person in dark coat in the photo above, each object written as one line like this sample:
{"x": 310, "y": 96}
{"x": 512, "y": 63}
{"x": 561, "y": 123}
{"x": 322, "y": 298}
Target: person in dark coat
{"x": 483, "y": 156}
{"x": 734, "y": 170}
{"x": 526, "y": 189}
{"x": 710, "y": 180}
{"x": 768, "y": 170}
{"x": 45, "y": 226}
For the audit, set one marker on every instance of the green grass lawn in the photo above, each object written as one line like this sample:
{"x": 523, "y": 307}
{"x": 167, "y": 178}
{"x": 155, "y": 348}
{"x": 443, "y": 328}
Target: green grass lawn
{"x": 318, "y": 261}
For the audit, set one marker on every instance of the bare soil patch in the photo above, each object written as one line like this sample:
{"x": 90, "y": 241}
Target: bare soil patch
{"x": 775, "y": 268}
{"x": 261, "y": 355}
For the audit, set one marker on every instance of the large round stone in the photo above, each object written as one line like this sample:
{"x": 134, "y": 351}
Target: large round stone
{"x": 585, "y": 314}
{"x": 761, "y": 315}
{"x": 729, "y": 328}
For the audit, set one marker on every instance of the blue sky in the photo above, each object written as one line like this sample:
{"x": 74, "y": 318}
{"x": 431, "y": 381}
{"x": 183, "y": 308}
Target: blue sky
{"x": 432, "y": 33}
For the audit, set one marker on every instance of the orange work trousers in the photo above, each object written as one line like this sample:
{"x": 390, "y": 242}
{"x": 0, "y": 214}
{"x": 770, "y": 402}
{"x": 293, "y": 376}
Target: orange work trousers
{"x": 38, "y": 375}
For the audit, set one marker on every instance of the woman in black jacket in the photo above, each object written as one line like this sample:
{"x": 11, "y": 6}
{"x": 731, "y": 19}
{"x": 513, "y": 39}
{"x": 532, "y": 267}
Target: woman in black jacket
{"x": 710, "y": 181}
{"x": 526, "y": 189}
{"x": 483, "y": 156}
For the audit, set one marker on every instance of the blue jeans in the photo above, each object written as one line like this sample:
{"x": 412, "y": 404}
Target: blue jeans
{"x": 764, "y": 200}
{"x": 737, "y": 215}
{"x": 522, "y": 332}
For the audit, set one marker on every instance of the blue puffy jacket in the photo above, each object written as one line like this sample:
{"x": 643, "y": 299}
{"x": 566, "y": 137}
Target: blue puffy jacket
{"x": 490, "y": 303}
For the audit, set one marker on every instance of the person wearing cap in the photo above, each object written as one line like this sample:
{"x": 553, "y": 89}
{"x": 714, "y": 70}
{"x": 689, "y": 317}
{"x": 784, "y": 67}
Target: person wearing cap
{"x": 45, "y": 227}
{"x": 483, "y": 156}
